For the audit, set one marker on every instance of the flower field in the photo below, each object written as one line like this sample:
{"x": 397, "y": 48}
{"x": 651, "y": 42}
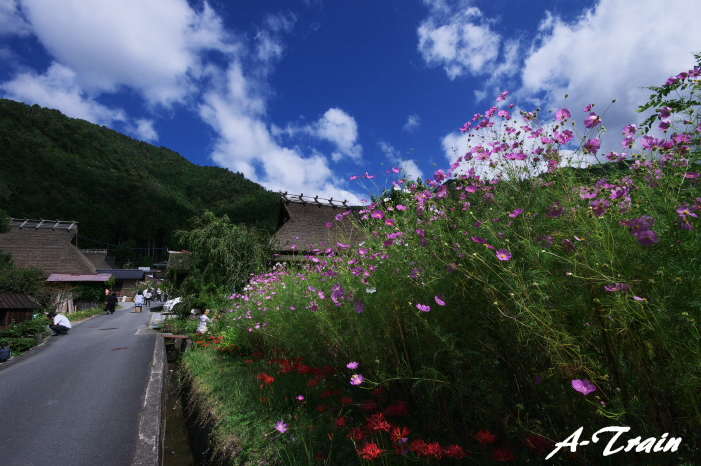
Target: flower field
{"x": 521, "y": 294}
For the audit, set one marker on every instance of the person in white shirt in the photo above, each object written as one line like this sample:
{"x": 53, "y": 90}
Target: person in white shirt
{"x": 138, "y": 302}
{"x": 147, "y": 297}
{"x": 202, "y": 328}
{"x": 60, "y": 324}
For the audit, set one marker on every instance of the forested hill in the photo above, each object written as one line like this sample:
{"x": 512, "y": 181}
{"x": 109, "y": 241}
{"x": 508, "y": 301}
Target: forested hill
{"x": 122, "y": 191}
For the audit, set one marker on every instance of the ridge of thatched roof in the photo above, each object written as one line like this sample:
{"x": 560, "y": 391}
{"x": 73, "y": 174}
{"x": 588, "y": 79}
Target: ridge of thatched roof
{"x": 302, "y": 224}
{"x": 97, "y": 257}
{"x": 46, "y": 245}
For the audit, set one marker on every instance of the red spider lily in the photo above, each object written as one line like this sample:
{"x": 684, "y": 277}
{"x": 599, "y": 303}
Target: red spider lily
{"x": 435, "y": 450}
{"x": 341, "y": 421}
{"x": 358, "y": 434}
{"x": 346, "y": 401}
{"x": 399, "y": 433}
{"x": 455, "y": 451}
{"x": 322, "y": 408}
{"x": 370, "y": 452}
{"x": 265, "y": 378}
{"x": 378, "y": 422}
{"x": 484, "y": 437}
{"x": 419, "y": 447}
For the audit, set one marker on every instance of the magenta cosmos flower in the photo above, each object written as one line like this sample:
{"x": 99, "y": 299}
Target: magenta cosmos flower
{"x": 352, "y": 365}
{"x": 583, "y": 386}
{"x": 504, "y": 255}
{"x": 357, "y": 379}
{"x": 423, "y": 307}
{"x": 281, "y": 427}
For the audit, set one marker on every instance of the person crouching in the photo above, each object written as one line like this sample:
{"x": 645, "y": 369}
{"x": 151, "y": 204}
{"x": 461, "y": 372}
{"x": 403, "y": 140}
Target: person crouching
{"x": 60, "y": 323}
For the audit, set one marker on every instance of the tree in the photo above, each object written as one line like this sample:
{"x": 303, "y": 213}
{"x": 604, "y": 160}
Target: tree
{"x": 223, "y": 254}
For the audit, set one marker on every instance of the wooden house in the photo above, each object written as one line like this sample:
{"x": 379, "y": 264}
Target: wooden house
{"x": 312, "y": 224}
{"x": 16, "y": 308}
{"x": 50, "y": 245}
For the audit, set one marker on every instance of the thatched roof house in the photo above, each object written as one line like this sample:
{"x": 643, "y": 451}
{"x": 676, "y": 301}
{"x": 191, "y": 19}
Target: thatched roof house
{"x": 125, "y": 280}
{"x": 308, "y": 223}
{"x": 98, "y": 258}
{"x": 16, "y": 308}
{"x": 47, "y": 244}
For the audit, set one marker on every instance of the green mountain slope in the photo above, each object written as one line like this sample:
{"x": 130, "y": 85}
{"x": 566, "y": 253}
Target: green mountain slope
{"x": 122, "y": 191}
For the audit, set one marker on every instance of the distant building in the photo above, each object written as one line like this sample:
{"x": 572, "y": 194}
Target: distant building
{"x": 125, "y": 280}
{"x": 16, "y": 308}
{"x": 312, "y": 224}
{"x": 47, "y": 244}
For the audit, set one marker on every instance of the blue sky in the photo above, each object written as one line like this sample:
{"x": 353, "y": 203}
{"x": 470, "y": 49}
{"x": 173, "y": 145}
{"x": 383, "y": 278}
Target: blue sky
{"x": 300, "y": 95}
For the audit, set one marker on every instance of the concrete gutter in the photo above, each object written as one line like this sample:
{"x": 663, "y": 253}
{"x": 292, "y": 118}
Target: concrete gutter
{"x": 149, "y": 445}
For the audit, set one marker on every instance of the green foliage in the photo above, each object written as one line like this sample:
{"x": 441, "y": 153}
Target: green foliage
{"x": 117, "y": 188}
{"x": 21, "y": 345}
{"x": 18, "y": 280}
{"x": 222, "y": 257}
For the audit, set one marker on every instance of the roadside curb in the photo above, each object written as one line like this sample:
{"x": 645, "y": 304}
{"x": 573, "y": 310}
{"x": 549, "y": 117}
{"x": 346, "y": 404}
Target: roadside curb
{"x": 149, "y": 444}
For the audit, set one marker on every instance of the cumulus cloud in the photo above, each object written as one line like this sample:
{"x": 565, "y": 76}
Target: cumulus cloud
{"x": 412, "y": 122}
{"x": 463, "y": 42}
{"x": 246, "y": 144}
{"x": 152, "y": 46}
{"x": 611, "y": 52}
{"x": 334, "y": 126}
{"x": 145, "y": 131}
{"x": 58, "y": 88}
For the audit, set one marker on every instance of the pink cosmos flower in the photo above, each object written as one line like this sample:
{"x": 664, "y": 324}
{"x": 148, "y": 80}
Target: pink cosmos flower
{"x": 357, "y": 379}
{"x": 352, "y": 365}
{"x": 466, "y": 127}
{"x": 423, "y": 307}
{"x": 563, "y": 114}
{"x": 504, "y": 255}
{"x": 401, "y": 207}
{"x": 583, "y": 386}
{"x": 390, "y": 222}
{"x": 516, "y": 213}
{"x": 592, "y": 146}
{"x": 377, "y": 214}
{"x": 503, "y": 95}
{"x": 354, "y": 177}
{"x": 440, "y": 299}
{"x": 592, "y": 120}
{"x": 630, "y": 130}
{"x": 329, "y": 225}
{"x": 281, "y": 427}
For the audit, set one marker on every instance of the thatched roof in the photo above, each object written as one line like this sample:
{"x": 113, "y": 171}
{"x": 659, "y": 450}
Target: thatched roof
{"x": 178, "y": 261}
{"x": 302, "y": 224}
{"x": 45, "y": 244}
{"x": 97, "y": 257}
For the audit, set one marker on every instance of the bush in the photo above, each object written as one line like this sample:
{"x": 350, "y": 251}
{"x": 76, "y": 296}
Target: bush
{"x": 21, "y": 345}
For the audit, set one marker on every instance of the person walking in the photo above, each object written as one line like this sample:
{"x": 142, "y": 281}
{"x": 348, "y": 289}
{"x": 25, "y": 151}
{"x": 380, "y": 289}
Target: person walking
{"x": 159, "y": 294}
{"x": 147, "y": 297}
{"x": 139, "y": 302}
{"x": 111, "y": 303}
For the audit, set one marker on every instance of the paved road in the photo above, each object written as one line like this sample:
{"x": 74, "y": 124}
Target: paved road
{"x": 78, "y": 400}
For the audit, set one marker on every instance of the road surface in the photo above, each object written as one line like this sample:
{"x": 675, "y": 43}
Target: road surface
{"x": 78, "y": 400}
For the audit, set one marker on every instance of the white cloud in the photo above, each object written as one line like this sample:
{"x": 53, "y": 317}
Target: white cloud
{"x": 12, "y": 20}
{"x": 339, "y": 128}
{"x": 412, "y": 122}
{"x": 145, "y": 131}
{"x": 57, "y": 88}
{"x": 611, "y": 52}
{"x": 410, "y": 169}
{"x": 152, "y": 46}
{"x": 462, "y": 42}
{"x": 245, "y": 143}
